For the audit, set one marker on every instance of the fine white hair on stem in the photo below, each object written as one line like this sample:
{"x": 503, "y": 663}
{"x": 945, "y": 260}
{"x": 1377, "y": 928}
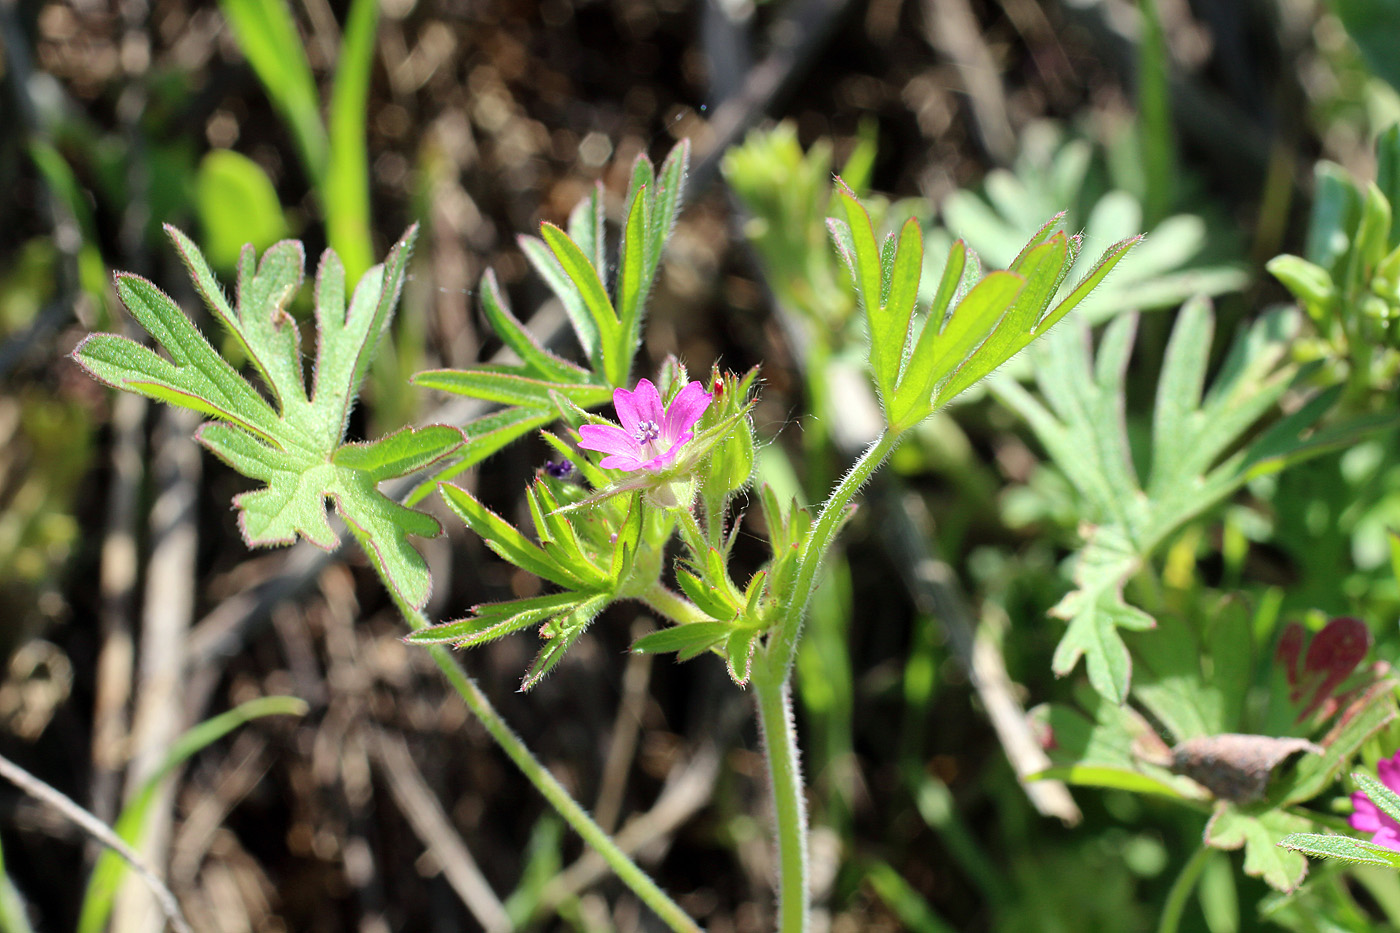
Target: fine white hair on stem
{"x": 98, "y": 830}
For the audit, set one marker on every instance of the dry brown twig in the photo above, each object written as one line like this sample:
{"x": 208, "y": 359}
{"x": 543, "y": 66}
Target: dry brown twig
{"x": 100, "y": 831}
{"x": 425, "y": 814}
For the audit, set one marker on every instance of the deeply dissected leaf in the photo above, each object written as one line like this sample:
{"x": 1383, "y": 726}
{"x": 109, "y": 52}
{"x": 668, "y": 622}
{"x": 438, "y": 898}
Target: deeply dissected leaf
{"x": 295, "y": 443}
{"x": 1260, "y": 833}
{"x": 1197, "y": 458}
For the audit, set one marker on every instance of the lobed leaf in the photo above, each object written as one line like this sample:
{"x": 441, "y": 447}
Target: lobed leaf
{"x": 293, "y": 444}
{"x": 1191, "y": 466}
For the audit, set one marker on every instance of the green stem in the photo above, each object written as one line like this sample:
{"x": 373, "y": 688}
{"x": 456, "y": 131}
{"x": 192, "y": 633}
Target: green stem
{"x": 1181, "y": 889}
{"x": 626, "y": 870}
{"x": 782, "y": 649}
{"x": 672, "y": 605}
{"x": 779, "y": 735}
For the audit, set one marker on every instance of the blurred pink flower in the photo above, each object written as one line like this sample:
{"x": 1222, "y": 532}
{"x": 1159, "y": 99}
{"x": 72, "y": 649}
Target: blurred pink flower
{"x": 652, "y": 434}
{"x": 1369, "y": 818}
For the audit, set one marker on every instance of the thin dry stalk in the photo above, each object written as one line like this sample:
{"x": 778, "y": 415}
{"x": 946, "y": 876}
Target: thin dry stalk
{"x": 100, "y": 831}
{"x": 160, "y": 714}
{"x": 622, "y": 747}
{"x": 425, "y": 814}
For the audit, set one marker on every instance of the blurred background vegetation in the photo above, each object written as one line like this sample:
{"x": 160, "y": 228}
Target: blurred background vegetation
{"x": 133, "y": 612}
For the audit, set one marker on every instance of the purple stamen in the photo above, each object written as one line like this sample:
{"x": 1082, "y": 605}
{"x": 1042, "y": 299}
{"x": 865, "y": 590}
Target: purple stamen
{"x": 647, "y": 431}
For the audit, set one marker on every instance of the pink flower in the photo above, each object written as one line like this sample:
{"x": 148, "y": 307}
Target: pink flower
{"x": 1369, "y": 818}
{"x": 652, "y": 434}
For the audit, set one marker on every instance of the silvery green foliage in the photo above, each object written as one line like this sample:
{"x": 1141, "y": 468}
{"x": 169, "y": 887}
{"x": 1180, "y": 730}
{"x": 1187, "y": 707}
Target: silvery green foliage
{"x": 1196, "y": 457}
{"x": 294, "y": 442}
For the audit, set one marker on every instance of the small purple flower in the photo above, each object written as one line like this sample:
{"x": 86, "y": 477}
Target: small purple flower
{"x": 652, "y": 434}
{"x": 559, "y": 469}
{"x": 1369, "y": 818}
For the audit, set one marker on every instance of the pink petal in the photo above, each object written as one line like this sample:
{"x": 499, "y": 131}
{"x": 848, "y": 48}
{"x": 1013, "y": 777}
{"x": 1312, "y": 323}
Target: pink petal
{"x": 685, "y": 409}
{"x": 1366, "y": 818}
{"x": 626, "y": 404}
{"x": 1388, "y": 837}
{"x": 621, "y": 462}
{"x": 1388, "y": 770}
{"x": 608, "y": 439}
{"x": 648, "y": 403}
{"x": 663, "y": 460}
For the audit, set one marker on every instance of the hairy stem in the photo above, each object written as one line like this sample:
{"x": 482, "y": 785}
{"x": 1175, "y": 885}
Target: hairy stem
{"x": 627, "y": 870}
{"x": 782, "y": 648}
{"x": 537, "y": 774}
{"x": 779, "y": 734}
{"x": 673, "y": 606}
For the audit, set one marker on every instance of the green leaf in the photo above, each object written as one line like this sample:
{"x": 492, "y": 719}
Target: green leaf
{"x": 586, "y": 229}
{"x": 914, "y": 912}
{"x": 632, "y": 287}
{"x": 345, "y": 194}
{"x": 296, "y": 448}
{"x": 1197, "y": 457}
{"x": 858, "y": 247}
{"x": 594, "y": 296}
{"x": 691, "y": 639}
{"x": 1335, "y": 213}
{"x": 1356, "y": 851}
{"x": 1261, "y": 833}
{"x": 510, "y": 385}
{"x": 110, "y": 869}
{"x": 1110, "y": 778}
{"x": 407, "y": 450}
{"x": 570, "y": 627}
{"x": 739, "y": 652}
{"x": 1373, "y": 26}
{"x": 1383, "y": 797}
{"x": 711, "y": 600}
{"x": 268, "y": 37}
{"x": 236, "y": 204}
{"x": 485, "y": 436}
{"x": 1316, "y": 773}
{"x": 538, "y": 361}
{"x": 494, "y": 620}
{"x": 585, "y": 326}
{"x": 1388, "y": 174}
{"x": 889, "y": 332}
{"x": 1309, "y": 283}
{"x": 503, "y": 538}
{"x": 936, "y": 356}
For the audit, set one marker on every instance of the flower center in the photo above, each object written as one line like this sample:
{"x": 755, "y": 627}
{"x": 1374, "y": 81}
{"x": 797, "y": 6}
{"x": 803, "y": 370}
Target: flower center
{"x": 647, "y": 431}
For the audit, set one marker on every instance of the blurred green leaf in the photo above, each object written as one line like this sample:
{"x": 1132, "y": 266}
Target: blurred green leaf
{"x": 1374, "y": 25}
{"x": 1356, "y": 851}
{"x": 1195, "y": 460}
{"x": 909, "y": 905}
{"x": 237, "y": 204}
{"x": 345, "y": 194}
{"x": 268, "y": 36}
{"x": 1260, "y": 833}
